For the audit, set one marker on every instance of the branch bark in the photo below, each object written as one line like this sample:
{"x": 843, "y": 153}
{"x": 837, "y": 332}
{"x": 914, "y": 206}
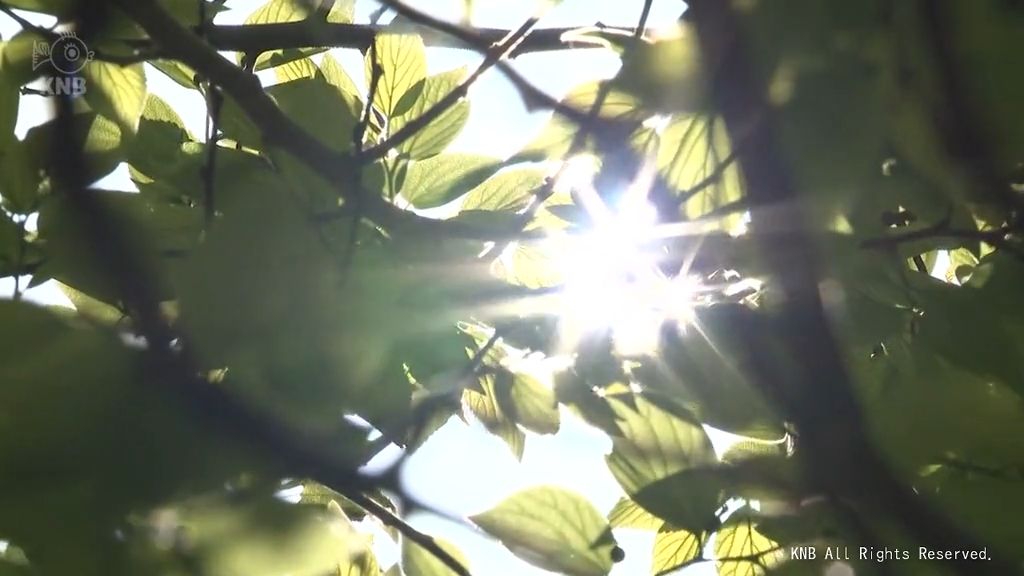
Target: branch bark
{"x": 813, "y": 388}
{"x": 265, "y": 37}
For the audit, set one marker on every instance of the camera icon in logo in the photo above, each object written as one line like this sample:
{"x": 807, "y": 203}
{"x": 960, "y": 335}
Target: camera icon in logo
{"x": 68, "y": 54}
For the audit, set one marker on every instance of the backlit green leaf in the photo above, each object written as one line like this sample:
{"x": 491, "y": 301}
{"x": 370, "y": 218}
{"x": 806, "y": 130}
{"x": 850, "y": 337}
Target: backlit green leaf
{"x": 673, "y": 548}
{"x": 649, "y": 454}
{"x": 510, "y": 190}
{"x": 403, "y": 65}
{"x": 116, "y": 92}
{"x": 439, "y": 133}
{"x": 282, "y": 11}
{"x": 629, "y": 514}
{"x": 438, "y": 180}
{"x": 554, "y": 529}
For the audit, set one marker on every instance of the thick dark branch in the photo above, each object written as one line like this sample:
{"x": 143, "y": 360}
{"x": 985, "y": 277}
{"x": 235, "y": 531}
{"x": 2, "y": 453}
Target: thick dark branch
{"x": 265, "y": 37}
{"x": 1000, "y": 238}
{"x": 955, "y": 117}
{"x": 812, "y": 388}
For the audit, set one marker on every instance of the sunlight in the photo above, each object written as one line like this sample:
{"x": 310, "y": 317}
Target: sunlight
{"x": 612, "y": 281}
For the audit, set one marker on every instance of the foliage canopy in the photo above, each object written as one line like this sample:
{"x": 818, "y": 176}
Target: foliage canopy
{"x": 839, "y": 193}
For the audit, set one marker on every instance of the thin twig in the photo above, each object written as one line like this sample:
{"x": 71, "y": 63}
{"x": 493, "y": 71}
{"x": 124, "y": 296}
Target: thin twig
{"x": 999, "y": 238}
{"x": 277, "y": 129}
{"x": 579, "y": 139}
{"x": 532, "y": 96}
{"x": 358, "y": 136}
{"x": 414, "y": 126}
{"x": 171, "y": 365}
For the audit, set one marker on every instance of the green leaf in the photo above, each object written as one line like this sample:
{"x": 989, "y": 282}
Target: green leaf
{"x": 692, "y": 149}
{"x": 116, "y": 92}
{"x": 160, "y": 136}
{"x": 740, "y": 539}
{"x": 22, "y": 176}
{"x": 666, "y": 75}
{"x": 91, "y": 308}
{"x": 485, "y": 405}
{"x": 438, "y": 134}
{"x": 296, "y": 70}
{"x": 616, "y": 105}
{"x": 11, "y": 237}
{"x": 509, "y": 190}
{"x": 16, "y": 62}
{"x": 181, "y": 74}
{"x": 26, "y": 162}
{"x": 531, "y": 404}
{"x": 403, "y": 64}
{"x": 554, "y": 529}
{"x": 319, "y": 109}
{"x": 9, "y": 100}
{"x": 648, "y": 455}
{"x": 629, "y": 514}
{"x": 438, "y": 180}
{"x": 416, "y": 561}
{"x": 336, "y": 76}
{"x": 283, "y": 11}
{"x": 673, "y": 548}
{"x": 55, "y": 7}
{"x": 155, "y": 228}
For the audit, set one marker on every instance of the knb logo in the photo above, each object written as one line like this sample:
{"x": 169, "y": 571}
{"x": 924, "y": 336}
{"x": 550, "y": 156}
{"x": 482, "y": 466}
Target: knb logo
{"x": 67, "y": 56}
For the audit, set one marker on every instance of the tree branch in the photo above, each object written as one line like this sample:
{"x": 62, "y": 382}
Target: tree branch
{"x": 813, "y": 389}
{"x": 999, "y": 238}
{"x": 277, "y": 129}
{"x": 494, "y": 55}
{"x": 265, "y": 37}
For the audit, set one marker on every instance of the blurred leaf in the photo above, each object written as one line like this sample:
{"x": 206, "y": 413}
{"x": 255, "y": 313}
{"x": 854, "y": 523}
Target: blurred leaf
{"x": 22, "y": 177}
{"x": 16, "y": 62}
{"x": 485, "y": 405}
{"x": 160, "y": 135}
{"x": 616, "y": 104}
{"x": 117, "y": 92}
{"x": 438, "y": 180}
{"x": 99, "y": 139}
{"x": 91, "y": 308}
{"x": 982, "y": 41}
{"x": 417, "y": 561}
{"x": 155, "y": 228}
{"x": 9, "y": 100}
{"x": 441, "y": 131}
{"x": 530, "y": 404}
{"x": 666, "y": 75}
{"x": 403, "y": 63}
{"x": 56, "y": 7}
{"x": 554, "y": 529}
